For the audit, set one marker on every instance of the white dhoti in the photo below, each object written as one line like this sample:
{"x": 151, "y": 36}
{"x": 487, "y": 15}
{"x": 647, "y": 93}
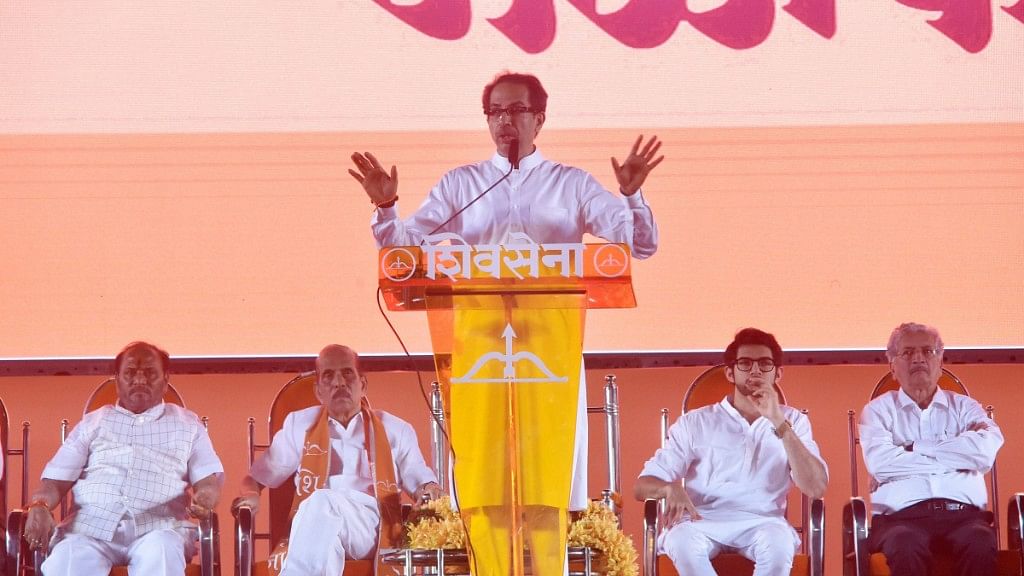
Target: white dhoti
{"x": 329, "y": 527}
{"x": 770, "y": 542}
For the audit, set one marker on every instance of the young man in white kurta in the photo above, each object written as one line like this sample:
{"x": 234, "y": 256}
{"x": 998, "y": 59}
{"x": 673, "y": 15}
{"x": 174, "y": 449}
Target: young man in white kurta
{"x": 547, "y": 201}
{"x": 726, "y": 469}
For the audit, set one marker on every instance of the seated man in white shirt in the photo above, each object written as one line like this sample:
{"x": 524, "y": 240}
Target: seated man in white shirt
{"x": 726, "y": 469}
{"x": 927, "y": 450}
{"x": 347, "y": 495}
{"x": 130, "y": 466}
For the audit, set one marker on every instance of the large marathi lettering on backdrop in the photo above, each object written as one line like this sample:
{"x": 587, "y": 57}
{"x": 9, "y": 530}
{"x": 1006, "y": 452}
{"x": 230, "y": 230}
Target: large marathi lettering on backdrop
{"x": 738, "y": 24}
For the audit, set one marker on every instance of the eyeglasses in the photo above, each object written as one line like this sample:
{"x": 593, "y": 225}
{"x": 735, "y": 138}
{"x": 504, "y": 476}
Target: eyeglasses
{"x": 907, "y": 354}
{"x": 765, "y": 364}
{"x": 495, "y": 113}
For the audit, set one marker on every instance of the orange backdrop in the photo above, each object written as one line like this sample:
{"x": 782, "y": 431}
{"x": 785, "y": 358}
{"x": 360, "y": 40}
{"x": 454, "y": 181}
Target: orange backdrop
{"x": 245, "y": 244}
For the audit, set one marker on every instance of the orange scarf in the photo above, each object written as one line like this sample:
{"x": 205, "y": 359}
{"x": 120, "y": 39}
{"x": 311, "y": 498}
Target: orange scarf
{"x": 314, "y": 469}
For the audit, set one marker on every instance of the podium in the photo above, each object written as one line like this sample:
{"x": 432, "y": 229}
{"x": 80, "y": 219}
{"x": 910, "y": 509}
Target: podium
{"x": 506, "y": 324}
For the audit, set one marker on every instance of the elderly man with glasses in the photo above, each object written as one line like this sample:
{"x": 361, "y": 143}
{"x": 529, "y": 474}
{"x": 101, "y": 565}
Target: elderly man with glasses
{"x": 726, "y": 469}
{"x": 927, "y": 449}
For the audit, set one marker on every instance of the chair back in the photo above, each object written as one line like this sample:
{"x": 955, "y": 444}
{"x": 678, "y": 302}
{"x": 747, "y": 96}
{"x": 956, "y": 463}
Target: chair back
{"x": 711, "y": 386}
{"x": 4, "y": 470}
{"x": 106, "y": 393}
{"x": 298, "y": 393}
{"x": 947, "y": 381}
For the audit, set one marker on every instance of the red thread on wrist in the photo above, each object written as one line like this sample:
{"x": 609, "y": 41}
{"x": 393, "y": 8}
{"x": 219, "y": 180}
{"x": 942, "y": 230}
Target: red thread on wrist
{"x": 389, "y": 203}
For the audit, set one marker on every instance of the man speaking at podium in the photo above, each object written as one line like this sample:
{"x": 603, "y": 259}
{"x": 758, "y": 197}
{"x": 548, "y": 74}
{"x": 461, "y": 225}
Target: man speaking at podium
{"x": 518, "y": 192}
{"x": 548, "y": 201}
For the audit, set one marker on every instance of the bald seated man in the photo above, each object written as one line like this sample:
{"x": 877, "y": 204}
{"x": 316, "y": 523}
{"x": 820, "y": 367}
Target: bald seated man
{"x": 349, "y": 463}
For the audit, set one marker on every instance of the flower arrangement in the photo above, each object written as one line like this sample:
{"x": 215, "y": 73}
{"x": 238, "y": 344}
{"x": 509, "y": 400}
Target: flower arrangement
{"x": 598, "y": 528}
{"x": 437, "y": 525}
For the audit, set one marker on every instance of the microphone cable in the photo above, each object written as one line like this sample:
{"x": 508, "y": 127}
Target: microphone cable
{"x": 513, "y": 165}
{"x": 430, "y": 409}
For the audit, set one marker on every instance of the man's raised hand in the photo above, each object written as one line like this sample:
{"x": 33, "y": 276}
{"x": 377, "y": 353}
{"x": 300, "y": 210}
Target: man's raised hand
{"x": 379, "y": 185}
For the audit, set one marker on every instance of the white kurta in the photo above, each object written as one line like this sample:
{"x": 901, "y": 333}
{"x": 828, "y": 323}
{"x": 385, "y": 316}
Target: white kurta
{"x": 737, "y": 474}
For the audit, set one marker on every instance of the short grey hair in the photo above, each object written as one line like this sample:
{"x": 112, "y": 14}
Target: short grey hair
{"x": 893, "y": 349}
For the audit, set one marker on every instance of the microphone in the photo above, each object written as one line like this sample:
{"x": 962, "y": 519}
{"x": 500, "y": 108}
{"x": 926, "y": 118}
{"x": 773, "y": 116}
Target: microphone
{"x": 513, "y": 157}
{"x": 513, "y": 153}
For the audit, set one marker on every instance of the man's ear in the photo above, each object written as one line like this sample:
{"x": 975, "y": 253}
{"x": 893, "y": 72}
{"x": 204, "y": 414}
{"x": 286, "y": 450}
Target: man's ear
{"x": 541, "y": 117}
{"x": 730, "y": 375}
{"x": 778, "y": 374}
{"x": 366, "y": 383}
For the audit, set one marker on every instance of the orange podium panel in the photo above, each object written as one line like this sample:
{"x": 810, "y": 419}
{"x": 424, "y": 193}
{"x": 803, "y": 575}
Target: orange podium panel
{"x": 602, "y": 272}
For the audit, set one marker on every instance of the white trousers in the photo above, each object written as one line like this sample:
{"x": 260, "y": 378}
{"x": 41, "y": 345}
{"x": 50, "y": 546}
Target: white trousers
{"x": 157, "y": 553}
{"x": 770, "y": 543}
{"x": 329, "y": 527}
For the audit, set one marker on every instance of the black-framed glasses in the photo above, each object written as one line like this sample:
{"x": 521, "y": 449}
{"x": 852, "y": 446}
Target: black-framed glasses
{"x": 907, "y": 354}
{"x": 496, "y": 112}
{"x": 765, "y": 364}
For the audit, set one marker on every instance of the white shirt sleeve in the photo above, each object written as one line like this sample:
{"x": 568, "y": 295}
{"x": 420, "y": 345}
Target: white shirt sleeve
{"x": 966, "y": 450}
{"x": 282, "y": 458}
{"x": 413, "y": 471}
{"x": 802, "y": 428}
{"x": 390, "y": 230}
{"x": 73, "y": 455}
{"x": 671, "y": 462}
{"x": 617, "y": 218}
{"x": 203, "y": 461}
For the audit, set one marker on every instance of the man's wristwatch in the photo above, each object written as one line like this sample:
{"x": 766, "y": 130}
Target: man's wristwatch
{"x": 782, "y": 429}
{"x": 37, "y": 503}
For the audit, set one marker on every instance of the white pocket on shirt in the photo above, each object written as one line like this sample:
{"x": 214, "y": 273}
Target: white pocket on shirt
{"x": 548, "y": 218}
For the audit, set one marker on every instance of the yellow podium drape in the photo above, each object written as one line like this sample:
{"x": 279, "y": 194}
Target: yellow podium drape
{"x": 510, "y": 365}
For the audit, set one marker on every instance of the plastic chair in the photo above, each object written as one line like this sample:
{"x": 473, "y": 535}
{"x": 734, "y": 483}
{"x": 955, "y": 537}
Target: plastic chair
{"x": 208, "y": 529}
{"x": 857, "y": 561}
{"x": 709, "y": 388}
